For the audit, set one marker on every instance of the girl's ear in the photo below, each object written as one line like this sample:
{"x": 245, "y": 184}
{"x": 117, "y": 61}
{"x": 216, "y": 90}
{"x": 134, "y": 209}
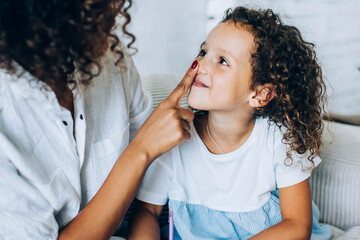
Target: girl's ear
{"x": 262, "y": 95}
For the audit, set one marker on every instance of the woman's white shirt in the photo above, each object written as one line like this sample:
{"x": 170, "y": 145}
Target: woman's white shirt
{"x": 48, "y": 172}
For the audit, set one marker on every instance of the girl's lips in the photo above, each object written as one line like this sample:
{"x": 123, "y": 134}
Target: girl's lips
{"x": 197, "y": 83}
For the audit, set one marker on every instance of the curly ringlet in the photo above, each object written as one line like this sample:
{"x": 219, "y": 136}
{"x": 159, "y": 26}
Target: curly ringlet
{"x": 48, "y": 38}
{"x": 285, "y": 60}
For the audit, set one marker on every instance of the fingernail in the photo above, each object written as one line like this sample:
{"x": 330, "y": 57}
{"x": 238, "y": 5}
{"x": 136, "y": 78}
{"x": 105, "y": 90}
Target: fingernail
{"x": 194, "y": 64}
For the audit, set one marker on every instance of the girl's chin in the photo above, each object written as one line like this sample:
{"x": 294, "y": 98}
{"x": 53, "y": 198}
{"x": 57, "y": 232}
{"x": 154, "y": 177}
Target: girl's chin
{"x": 196, "y": 101}
{"x": 196, "y": 105}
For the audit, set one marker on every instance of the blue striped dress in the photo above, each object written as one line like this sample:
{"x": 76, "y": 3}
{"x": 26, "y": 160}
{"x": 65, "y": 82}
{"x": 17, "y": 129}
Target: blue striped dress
{"x": 201, "y": 223}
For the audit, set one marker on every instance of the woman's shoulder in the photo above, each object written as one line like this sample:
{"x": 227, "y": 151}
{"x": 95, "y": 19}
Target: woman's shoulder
{"x": 20, "y": 85}
{"x": 120, "y": 54}
{"x": 119, "y": 71}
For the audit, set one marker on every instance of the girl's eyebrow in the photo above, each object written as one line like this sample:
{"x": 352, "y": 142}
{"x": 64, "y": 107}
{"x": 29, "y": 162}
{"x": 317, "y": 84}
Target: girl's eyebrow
{"x": 228, "y": 53}
{"x": 222, "y": 50}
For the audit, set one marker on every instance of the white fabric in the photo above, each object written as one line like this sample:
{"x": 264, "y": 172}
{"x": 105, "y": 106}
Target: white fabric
{"x": 117, "y": 238}
{"x": 161, "y": 85}
{"x": 352, "y": 233}
{"x": 239, "y": 181}
{"x": 336, "y": 182}
{"x": 46, "y": 176}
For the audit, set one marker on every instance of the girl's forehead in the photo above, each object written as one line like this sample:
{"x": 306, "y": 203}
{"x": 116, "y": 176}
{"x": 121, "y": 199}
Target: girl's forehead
{"x": 231, "y": 31}
{"x": 231, "y": 37}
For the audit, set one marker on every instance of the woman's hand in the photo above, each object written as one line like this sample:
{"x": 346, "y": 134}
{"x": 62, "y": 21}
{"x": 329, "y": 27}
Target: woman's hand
{"x": 168, "y": 125}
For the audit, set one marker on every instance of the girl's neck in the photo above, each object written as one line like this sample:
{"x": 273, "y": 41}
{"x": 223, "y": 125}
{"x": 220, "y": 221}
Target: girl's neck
{"x": 228, "y": 131}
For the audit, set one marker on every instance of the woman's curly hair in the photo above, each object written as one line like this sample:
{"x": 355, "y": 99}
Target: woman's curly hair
{"x": 285, "y": 60}
{"x": 52, "y": 38}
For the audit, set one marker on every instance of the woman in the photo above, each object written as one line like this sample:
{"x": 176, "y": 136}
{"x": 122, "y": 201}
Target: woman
{"x": 70, "y": 102}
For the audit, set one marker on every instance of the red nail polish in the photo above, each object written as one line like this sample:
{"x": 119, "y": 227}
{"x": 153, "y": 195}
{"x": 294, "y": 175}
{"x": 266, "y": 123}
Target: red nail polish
{"x": 194, "y": 64}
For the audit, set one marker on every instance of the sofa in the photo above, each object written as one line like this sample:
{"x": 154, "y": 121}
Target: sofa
{"x": 335, "y": 182}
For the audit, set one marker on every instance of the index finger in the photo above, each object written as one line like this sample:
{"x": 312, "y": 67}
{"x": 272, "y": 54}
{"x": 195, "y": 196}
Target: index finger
{"x": 182, "y": 88}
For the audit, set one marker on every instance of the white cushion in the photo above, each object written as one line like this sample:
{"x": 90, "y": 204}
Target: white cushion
{"x": 336, "y": 182}
{"x": 161, "y": 85}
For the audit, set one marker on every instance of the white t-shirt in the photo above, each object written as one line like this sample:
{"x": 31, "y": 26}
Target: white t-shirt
{"x": 239, "y": 181}
{"x": 46, "y": 176}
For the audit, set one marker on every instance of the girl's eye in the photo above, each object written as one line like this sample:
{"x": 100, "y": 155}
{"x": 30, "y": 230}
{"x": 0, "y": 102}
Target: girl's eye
{"x": 223, "y": 61}
{"x": 202, "y": 53}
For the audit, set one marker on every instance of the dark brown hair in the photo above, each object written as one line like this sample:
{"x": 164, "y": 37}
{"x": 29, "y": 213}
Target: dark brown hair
{"x": 284, "y": 59}
{"x": 48, "y": 38}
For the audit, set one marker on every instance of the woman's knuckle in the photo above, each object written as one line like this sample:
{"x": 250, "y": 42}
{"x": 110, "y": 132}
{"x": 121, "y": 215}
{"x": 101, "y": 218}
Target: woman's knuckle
{"x": 174, "y": 113}
{"x": 178, "y": 133}
{"x": 181, "y": 85}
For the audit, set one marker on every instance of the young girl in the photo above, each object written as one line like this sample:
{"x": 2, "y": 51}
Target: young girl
{"x": 244, "y": 172}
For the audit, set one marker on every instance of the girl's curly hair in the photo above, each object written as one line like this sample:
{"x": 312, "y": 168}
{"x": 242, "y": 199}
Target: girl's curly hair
{"x": 52, "y": 38}
{"x": 285, "y": 60}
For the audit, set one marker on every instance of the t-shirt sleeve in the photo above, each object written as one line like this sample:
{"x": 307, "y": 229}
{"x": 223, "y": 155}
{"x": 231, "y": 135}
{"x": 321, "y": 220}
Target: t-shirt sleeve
{"x": 288, "y": 171}
{"x": 154, "y": 188}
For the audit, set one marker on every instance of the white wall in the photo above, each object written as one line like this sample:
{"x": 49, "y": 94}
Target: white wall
{"x": 169, "y": 34}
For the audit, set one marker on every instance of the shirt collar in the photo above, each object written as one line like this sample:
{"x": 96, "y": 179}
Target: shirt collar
{"x": 30, "y": 88}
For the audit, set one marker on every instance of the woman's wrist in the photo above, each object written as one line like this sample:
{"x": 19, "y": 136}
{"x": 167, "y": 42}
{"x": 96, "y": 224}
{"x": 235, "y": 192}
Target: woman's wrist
{"x": 140, "y": 153}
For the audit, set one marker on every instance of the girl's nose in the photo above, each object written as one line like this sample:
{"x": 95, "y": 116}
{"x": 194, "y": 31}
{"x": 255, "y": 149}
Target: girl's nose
{"x": 203, "y": 66}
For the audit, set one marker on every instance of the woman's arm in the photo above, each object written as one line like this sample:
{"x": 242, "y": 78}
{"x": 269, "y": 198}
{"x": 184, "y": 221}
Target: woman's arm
{"x": 144, "y": 222}
{"x": 296, "y": 212}
{"x": 166, "y": 127}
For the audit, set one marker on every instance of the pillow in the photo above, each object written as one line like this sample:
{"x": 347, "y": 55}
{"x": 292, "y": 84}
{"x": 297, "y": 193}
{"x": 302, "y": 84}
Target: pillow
{"x": 336, "y": 181}
{"x": 161, "y": 85}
